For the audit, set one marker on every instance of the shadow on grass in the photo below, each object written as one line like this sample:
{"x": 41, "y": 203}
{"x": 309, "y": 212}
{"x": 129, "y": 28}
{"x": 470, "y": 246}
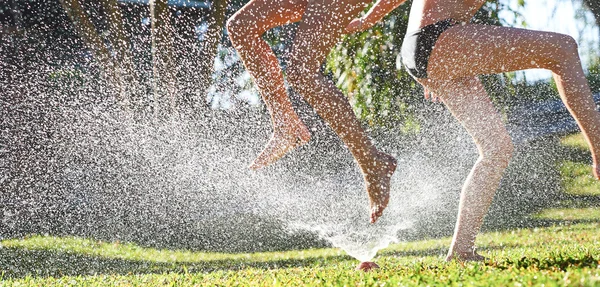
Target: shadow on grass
{"x": 435, "y": 251}
{"x": 533, "y": 183}
{"x": 20, "y": 263}
{"x": 574, "y": 154}
{"x": 442, "y": 250}
{"x": 556, "y": 262}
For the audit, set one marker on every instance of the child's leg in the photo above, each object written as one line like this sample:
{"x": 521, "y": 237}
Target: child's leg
{"x": 491, "y": 49}
{"x": 577, "y": 96}
{"x": 320, "y": 29}
{"x": 469, "y": 103}
{"x": 245, "y": 30}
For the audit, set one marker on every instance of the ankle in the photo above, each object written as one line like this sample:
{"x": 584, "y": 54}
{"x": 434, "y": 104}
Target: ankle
{"x": 288, "y": 123}
{"x": 377, "y": 162}
{"x": 461, "y": 250}
{"x": 284, "y": 117}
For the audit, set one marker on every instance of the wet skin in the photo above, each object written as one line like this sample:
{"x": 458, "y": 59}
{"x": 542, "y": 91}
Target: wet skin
{"x": 322, "y": 22}
{"x": 466, "y": 51}
{"x": 490, "y": 50}
{"x": 487, "y": 49}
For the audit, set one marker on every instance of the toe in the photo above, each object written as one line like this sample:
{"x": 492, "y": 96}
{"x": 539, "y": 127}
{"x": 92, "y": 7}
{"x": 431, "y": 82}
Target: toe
{"x": 375, "y": 214}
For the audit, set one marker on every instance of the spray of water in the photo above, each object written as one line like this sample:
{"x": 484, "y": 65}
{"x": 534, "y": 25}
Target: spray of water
{"x": 76, "y": 163}
{"x": 122, "y": 176}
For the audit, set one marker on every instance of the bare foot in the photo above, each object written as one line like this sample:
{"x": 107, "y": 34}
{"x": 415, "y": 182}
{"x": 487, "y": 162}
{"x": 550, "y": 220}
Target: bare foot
{"x": 465, "y": 257}
{"x": 283, "y": 141}
{"x": 367, "y": 266}
{"x": 377, "y": 180}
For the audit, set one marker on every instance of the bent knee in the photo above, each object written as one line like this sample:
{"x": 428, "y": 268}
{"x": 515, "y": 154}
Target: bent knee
{"x": 568, "y": 44}
{"x": 240, "y": 28}
{"x": 566, "y": 52}
{"x": 501, "y": 150}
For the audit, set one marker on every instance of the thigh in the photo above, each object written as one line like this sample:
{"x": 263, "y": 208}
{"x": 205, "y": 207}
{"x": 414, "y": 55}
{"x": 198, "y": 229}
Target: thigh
{"x": 472, "y": 49}
{"x": 262, "y": 15}
{"x": 322, "y": 25}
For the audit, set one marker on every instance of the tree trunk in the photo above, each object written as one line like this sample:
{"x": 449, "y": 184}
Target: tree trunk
{"x": 163, "y": 65}
{"x": 87, "y": 31}
{"x": 594, "y": 6}
{"x": 129, "y": 83}
{"x": 16, "y": 14}
{"x": 115, "y": 76}
{"x": 214, "y": 34}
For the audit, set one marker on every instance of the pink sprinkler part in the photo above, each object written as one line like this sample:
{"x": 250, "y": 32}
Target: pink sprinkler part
{"x": 367, "y": 266}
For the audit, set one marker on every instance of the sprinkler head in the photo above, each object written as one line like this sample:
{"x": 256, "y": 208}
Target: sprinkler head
{"x": 367, "y": 266}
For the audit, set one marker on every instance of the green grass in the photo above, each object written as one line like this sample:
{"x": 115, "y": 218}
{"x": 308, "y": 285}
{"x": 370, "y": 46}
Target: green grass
{"x": 554, "y": 256}
{"x": 573, "y": 214}
{"x": 577, "y": 179}
{"x": 576, "y": 141}
{"x": 564, "y": 251}
{"x": 577, "y": 176}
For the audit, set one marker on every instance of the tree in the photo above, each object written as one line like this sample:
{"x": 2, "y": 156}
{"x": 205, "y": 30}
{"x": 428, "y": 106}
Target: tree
{"x": 216, "y": 22}
{"x": 197, "y": 77}
{"x": 366, "y": 68}
{"x": 163, "y": 65}
{"x": 115, "y": 55}
{"x": 87, "y": 31}
{"x": 594, "y": 6}
{"x": 119, "y": 71}
{"x": 129, "y": 82}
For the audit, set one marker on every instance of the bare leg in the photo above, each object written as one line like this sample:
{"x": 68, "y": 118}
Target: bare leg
{"x": 488, "y": 50}
{"x": 469, "y": 103}
{"x": 245, "y": 30}
{"x": 491, "y": 49}
{"x": 320, "y": 29}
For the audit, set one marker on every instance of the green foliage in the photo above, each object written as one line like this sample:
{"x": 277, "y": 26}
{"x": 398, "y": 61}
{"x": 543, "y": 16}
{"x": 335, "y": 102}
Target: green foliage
{"x": 367, "y": 68}
{"x": 66, "y": 74}
{"x": 593, "y": 75}
{"x": 516, "y": 17}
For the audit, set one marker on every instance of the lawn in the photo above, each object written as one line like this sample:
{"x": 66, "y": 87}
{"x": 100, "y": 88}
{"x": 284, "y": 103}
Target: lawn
{"x": 560, "y": 255}
{"x": 566, "y": 253}
{"x": 576, "y": 169}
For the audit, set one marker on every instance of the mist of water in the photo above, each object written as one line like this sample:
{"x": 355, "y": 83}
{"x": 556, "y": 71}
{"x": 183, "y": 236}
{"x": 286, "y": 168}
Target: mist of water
{"x": 70, "y": 153}
{"x": 149, "y": 174}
